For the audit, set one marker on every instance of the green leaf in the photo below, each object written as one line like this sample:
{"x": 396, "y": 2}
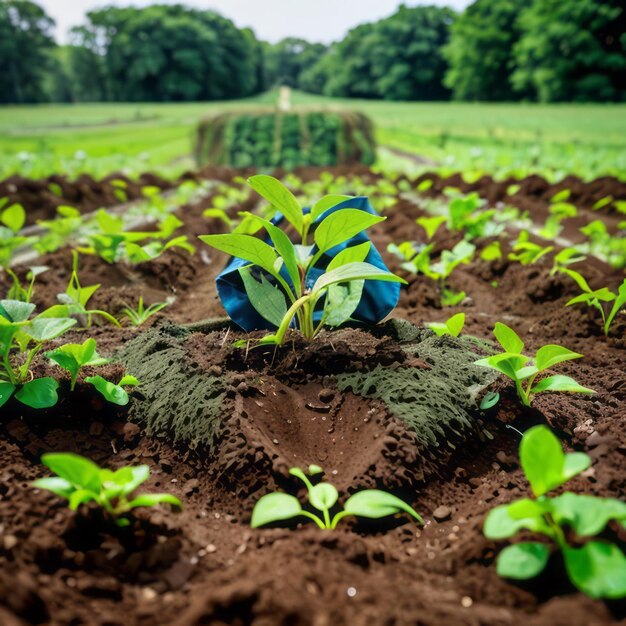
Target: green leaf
{"x": 323, "y": 496}
{"x": 453, "y": 326}
{"x": 111, "y": 392}
{"x": 342, "y": 301}
{"x": 245, "y": 247}
{"x": 14, "y": 217}
{"x": 6, "y": 391}
{"x": 508, "y": 338}
{"x": 374, "y": 504}
{"x": 544, "y": 463}
{"x": 268, "y": 300}
{"x": 523, "y": 560}
{"x": 58, "y": 486}
{"x": 617, "y": 305}
{"x": 352, "y": 254}
{"x": 130, "y": 380}
{"x": 279, "y": 197}
{"x": 152, "y": 499}
{"x": 80, "y": 496}
{"x": 598, "y": 569}
{"x": 136, "y": 476}
{"x": 490, "y": 399}
{"x": 587, "y": 515}
{"x": 46, "y": 328}
{"x": 431, "y": 224}
{"x": 341, "y": 226}
{"x": 500, "y": 523}
{"x": 507, "y": 363}
{"x": 325, "y": 203}
{"x": 354, "y": 271}
{"x": 76, "y": 469}
{"x": 550, "y": 355}
{"x": 15, "y": 310}
{"x": 274, "y": 507}
{"x": 560, "y": 383}
{"x": 40, "y": 393}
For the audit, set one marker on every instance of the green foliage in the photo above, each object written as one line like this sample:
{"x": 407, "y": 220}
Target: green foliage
{"x": 74, "y": 356}
{"x": 79, "y": 481}
{"x": 141, "y": 314}
{"x": 597, "y": 567}
{"x": 369, "y": 503}
{"x": 527, "y": 252}
{"x": 603, "y": 245}
{"x": 453, "y": 326}
{"x": 597, "y": 298}
{"x": 523, "y": 370}
{"x": 276, "y": 277}
{"x": 17, "y": 291}
{"x": 289, "y": 62}
{"x": 60, "y": 230}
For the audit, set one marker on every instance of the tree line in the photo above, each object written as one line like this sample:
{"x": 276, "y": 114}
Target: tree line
{"x": 495, "y": 50}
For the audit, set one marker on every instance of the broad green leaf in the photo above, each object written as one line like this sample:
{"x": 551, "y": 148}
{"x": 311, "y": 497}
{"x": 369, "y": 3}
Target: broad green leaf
{"x": 80, "y": 496}
{"x": 245, "y": 247}
{"x": 15, "y": 310}
{"x": 46, "y": 328}
{"x": 587, "y": 515}
{"x": 598, "y": 569}
{"x": 40, "y": 393}
{"x": 267, "y": 300}
{"x": 152, "y": 499}
{"x": 550, "y": 355}
{"x": 374, "y": 504}
{"x": 352, "y": 254}
{"x": 354, "y": 271}
{"x": 109, "y": 224}
{"x": 58, "y": 486}
{"x": 507, "y": 363}
{"x": 526, "y": 372}
{"x": 279, "y": 197}
{"x": 323, "y": 496}
{"x": 508, "y": 338}
{"x": 325, "y": 203}
{"x": 130, "y": 380}
{"x": 77, "y": 470}
{"x": 341, "y": 226}
{"x": 455, "y": 324}
{"x": 14, "y": 217}
{"x": 560, "y": 383}
{"x": 111, "y": 392}
{"x": 6, "y": 391}
{"x": 274, "y": 507}
{"x": 490, "y": 399}
{"x": 544, "y": 463}
{"x": 342, "y": 301}
{"x": 431, "y": 224}
{"x": 523, "y": 560}
{"x": 500, "y": 524}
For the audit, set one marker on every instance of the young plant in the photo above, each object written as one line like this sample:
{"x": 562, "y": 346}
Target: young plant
{"x": 571, "y": 522}
{"x": 278, "y": 280}
{"x": 453, "y": 326}
{"x": 140, "y": 315}
{"x": 72, "y": 357}
{"x": 21, "y": 339}
{"x": 596, "y": 298}
{"x": 566, "y": 257}
{"x": 12, "y": 220}
{"x": 24, "y": 293}
{"x": 523, "y": 370}
{"x": 526, "y": 252}
{"x": 80, "y": 480}
{"x": 60, "y": 230}
{"x": 370, "y": 503}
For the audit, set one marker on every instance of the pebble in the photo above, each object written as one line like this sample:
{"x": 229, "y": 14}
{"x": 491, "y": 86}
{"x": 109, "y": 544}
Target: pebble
{"x": 326, "y": 395}
{"x": 442, "y": 513}
{"x": 191, "y": 486}
{"x": 211, "y": 548}
{"x": 10, "y": 541}
{"x": 466, "y": 602}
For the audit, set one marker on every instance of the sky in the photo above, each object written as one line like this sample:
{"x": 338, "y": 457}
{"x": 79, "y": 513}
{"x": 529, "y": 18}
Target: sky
{"x": 271, "y": 20}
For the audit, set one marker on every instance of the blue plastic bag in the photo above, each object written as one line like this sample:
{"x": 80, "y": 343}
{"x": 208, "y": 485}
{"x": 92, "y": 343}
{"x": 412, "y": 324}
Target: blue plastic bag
{"x": 378, "y": 300}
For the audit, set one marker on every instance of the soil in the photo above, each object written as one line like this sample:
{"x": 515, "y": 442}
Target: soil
{"x": 308, "y": 403}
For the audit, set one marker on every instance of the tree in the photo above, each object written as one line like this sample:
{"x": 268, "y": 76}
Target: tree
{"x": 286, "y": 61}
{"x": 572, "y": 50}
{"x": 397, "y": 58}
{"x": 480, "y": 52}
{"x": 25, "y": 41}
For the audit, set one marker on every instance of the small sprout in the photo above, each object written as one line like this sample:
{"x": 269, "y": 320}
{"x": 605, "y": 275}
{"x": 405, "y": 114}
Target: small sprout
{"x": 80, "y": 480}
{"x": 523, "y": 370}
{"x": 19, "y": 292}
{"x": 602, "y": 202}
{"x": 597, "y": 567}
{"x": 526, "y": 252}
{"x": 431, "y": 224}
{"x": 370, "y": 503}
{"x": 489, "y": 400}
{"x": 453, "y": 326}
{"x": 141, "y": 315}
{"x": 491, "y": 252}
{"x": 74, "y": 356}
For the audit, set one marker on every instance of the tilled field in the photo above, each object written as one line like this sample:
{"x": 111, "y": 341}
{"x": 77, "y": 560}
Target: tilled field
{"x": 269, "y": 410}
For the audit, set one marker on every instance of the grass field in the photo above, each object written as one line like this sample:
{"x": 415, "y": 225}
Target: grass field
{"x": 554, "y": 140}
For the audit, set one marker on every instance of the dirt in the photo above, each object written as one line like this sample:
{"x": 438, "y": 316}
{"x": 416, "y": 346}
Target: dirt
{"x": 308, "y": 403}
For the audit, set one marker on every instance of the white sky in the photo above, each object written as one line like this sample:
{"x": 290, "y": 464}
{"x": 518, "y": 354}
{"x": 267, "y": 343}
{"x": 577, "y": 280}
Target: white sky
{"x": 271, "y": 20}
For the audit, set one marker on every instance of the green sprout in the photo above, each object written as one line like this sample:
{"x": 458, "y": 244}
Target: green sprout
{"x": 452, "y": 326}
{"x": 523, "y": 370}
{"x": 370, "y": 503}
{"x": 526, "y": 252}
{"x": 80, "y": 480}
{"x": 597, "y": 567}
{"x": 141, "y": 314}
{"x": 281, "y": 297}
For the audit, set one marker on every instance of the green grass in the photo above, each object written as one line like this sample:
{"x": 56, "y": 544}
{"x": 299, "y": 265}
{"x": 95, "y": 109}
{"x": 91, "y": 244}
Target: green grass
{"x": 501, "y": 139}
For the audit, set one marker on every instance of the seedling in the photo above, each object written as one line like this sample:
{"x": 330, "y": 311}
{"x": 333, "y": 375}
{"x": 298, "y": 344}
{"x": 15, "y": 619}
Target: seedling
{"x": 370, "y": 503}
{"x": 12, "y": 219}
{"x": 596, "y": 298}
{"x": 21, "y": 339}
{"x": 278, "y": 278}
{"x": 523, "y": 370}
{"x": 24, "y": 293}
{"x": 60, "y": 230}
{"x": 80, "y": 480}
{"x": 140, "y": 315}
{"x": 453, "y": 326}
{"x": 74, "y": 356}
{"x": 526, "y": 252}
{"x": 431, "y": 224}
{"x": 565, "y": 258}
{"x": 597, "y": 567}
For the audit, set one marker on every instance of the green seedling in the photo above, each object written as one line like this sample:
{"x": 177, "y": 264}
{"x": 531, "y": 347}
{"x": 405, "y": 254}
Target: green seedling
{"x": 431, "y": 224}
{"x": 79, "y": 480}
{"x": 74, "y": 356}
{"x": 24, "y": 293}
{"x": 491, "y": 252}
{"x": 526, "y": 252}
{"x": 12, "y": 220}
{"x": 603, "y": 245}
{"x": 112, "y": 392}
{"x": 570, "y": 521}
{"x": 370, "y": 503}
{"x": 21, "y": 339}
{"x": 141, "y": 314}
{"x": 464, "y": 216}
{"x": 453, "y": 326}
{"x": 135, "y": 254}
{"x": 523, "y": 370}
{"x": 598, "y": 298}
{"x": 565, "y": 258}
{"x": 602, "y": 202}
{"x": 277, "y": 279}
{"x": 59, "y": 231}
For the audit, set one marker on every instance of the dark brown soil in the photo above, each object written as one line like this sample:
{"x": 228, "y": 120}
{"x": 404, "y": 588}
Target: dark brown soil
{"x": 205, "y": 565}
